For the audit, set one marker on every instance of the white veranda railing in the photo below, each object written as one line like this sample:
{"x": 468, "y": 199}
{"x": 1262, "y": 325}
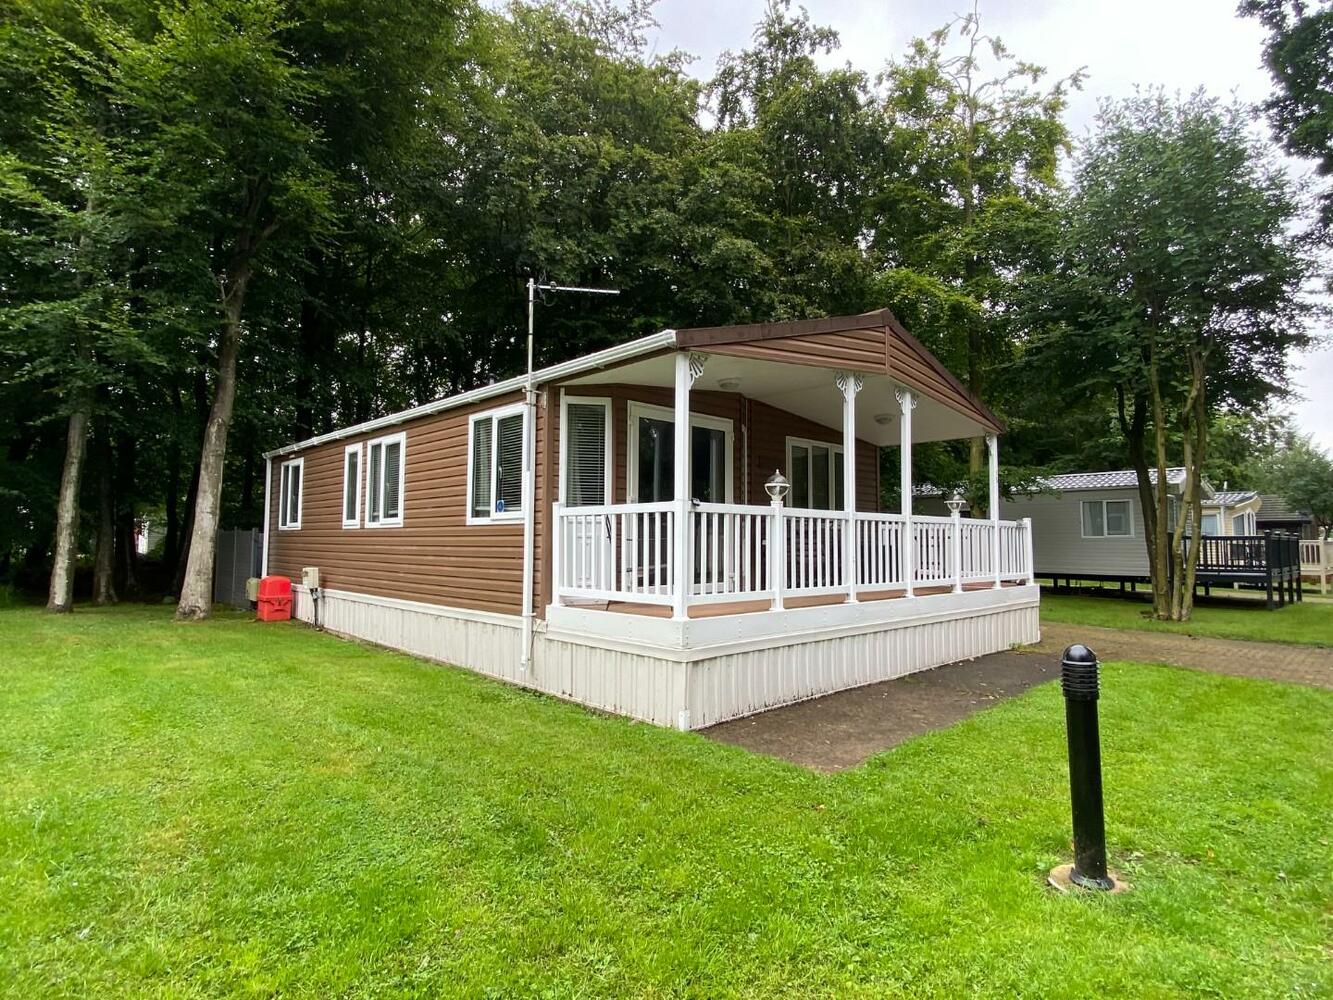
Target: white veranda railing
{"x": 740, "y": 552}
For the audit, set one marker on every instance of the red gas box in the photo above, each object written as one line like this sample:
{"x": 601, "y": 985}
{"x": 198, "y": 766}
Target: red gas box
{"x": 275, "y": 599}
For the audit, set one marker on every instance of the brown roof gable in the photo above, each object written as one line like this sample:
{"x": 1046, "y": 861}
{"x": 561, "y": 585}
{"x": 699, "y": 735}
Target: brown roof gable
{"x": 869, "y": 342}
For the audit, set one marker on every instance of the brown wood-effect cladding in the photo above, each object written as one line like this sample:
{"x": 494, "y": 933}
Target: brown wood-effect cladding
{"x": 436, "y": 556}
{"x": 856, "y": 350}
{"x": 769, "y": 430}
{"x": 883, "y": 350}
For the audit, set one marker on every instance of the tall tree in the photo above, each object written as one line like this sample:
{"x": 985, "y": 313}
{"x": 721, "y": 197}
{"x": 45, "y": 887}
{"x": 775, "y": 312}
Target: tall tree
{"x": 784, "y": 178}
{"x": 1180, "y": 293}
{"x": 1299, "y": 55}
{"x": 977, "y": 139}
{"x": 65, "y": 188}
{"x": 1302, "y": 474}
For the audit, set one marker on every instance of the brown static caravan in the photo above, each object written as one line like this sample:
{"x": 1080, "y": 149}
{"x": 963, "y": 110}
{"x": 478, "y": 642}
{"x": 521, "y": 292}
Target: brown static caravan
{"x": 564, "y": 538}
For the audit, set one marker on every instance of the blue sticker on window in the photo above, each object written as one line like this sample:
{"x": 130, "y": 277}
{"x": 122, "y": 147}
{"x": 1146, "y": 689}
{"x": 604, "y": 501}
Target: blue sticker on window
{"x": 499, "y": 506}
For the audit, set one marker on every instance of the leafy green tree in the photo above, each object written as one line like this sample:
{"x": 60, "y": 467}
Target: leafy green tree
{"x": 786, "y": 175}
{"x": 1240, "y": 442}
{"x": 968, "y": 204}
{"x": 67, "y": 189}
{"x": 1302, "y": 474}
{"x": 1179, "y": 294}
{"x": 1299, "y": 55}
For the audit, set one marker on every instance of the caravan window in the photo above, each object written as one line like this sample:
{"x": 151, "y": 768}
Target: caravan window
{"x": 815, "y": 472}
{"x": 289, "y": 494}
{"x": 385, "y": 461}
{"x": 495, "y": 466}
{"x": 1108, "y": 518}
{"x": 585, "y": 463}
{"x": 352, "y": 486}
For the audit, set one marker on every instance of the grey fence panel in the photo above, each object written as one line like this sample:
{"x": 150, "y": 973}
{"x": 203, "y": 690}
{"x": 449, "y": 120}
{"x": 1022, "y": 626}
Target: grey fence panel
{"x": 238, "y": 559}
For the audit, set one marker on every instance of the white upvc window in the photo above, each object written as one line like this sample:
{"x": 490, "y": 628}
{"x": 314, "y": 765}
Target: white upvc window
{"x": 1108, "y": 518}
{"x": 352, "y": 486}
{"x": 814, "y": 469}
{"x": 289, "y": 494}
{"x": 386, "y": 465}
{"x": 585, "y": 451}
{"x": 1243, "y": 524}
{"x": 495, "y": 465}
{"x": 1210, "y": 525}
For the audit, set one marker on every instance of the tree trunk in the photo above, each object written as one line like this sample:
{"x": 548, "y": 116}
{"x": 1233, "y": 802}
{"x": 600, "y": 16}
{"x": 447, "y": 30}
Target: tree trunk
{"x": 1194, "y": 427}
{"x": 183, "y": 553}
{"x": 171, "y": 543}
{"x": 1133, "y": 425}
{"x": 104, "y": 557}
{"x": 1161, "y": 594}
{"x": 61, "y": 596}
{"x": 202, "y": 406}
{"x": 196, "y": 599}
{"x": 128, "y": 555}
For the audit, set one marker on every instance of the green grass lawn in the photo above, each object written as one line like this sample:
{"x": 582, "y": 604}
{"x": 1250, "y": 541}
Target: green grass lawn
{"x": 235, "y": 808}
{"x": 1309, "y": 623}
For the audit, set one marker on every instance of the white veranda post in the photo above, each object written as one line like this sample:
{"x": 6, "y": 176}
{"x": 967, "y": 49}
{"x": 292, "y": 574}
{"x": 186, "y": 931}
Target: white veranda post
{"x": 993, "y": 502}
{"x": 850, "y": 384}
{"x": 688, "y": 368}
{"x": 906, "y": 403}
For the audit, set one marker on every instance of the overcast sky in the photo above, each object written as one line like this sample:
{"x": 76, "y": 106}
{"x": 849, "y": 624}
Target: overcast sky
{"x": 1179, "y": 44}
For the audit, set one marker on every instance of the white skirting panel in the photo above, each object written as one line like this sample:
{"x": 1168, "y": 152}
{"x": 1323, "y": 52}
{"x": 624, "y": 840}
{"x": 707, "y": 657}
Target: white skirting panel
{"x": 696, "y": 690}
{"x": 730, "y": 686}
{"x": 487, "y": 643}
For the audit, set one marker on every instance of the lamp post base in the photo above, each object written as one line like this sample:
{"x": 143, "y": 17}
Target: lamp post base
{"x": 1061, "y": 878}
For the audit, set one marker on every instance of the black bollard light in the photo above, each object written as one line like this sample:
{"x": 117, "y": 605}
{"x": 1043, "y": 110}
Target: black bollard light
{"x": 1078, "y": 679}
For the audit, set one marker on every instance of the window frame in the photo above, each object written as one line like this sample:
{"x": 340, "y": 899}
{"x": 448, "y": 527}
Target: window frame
{"x": 355, "y": 520}
{"x": 494, "y": 416}
{"x": 834, "y": 484}
{"x": 1106, "y": 532}
{"x": 634, "y": 410}
{"x": 609, "y": 444}
{"x": 386, "y": 439}
{"x": 283, "y": 489}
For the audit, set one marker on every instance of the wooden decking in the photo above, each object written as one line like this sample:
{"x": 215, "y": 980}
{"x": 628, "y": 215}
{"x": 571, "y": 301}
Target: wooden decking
{"x": 715, "y": 610}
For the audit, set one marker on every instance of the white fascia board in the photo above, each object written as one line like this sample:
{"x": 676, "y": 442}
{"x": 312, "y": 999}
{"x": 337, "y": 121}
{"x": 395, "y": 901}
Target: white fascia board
{"x": 566, "y": 369}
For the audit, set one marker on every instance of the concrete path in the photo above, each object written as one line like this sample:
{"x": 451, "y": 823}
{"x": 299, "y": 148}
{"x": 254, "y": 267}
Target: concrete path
{"x": 1272, "y": 661}
{"x": 840, "y": 730}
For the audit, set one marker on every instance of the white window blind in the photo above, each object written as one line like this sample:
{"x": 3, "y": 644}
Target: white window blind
{"x": 393, "y": 459}
{"x": 509, "y": 464}
{"x": 481, "y": 467}
{"x": 385, "y": 458}
{"x": 373, "y": 481}
{"x": 495, "y": 465}
{"x": 585, "y": 454}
